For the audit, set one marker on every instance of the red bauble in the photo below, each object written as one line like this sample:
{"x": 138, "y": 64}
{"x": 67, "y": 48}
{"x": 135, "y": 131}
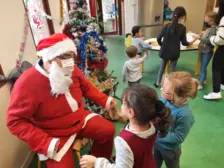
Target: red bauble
{"x": 100, "y": 64}
{"x": 75, "y": 6}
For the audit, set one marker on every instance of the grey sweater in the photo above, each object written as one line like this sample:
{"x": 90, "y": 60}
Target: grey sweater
{"x": 205, "y": 45}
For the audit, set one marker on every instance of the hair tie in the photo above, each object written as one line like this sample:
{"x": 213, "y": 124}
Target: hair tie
{"x": 159, "y": 106}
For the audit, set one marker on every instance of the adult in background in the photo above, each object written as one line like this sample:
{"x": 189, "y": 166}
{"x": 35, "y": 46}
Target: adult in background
{"x": 47, "y": 111}
{"x": 218, "y": 60}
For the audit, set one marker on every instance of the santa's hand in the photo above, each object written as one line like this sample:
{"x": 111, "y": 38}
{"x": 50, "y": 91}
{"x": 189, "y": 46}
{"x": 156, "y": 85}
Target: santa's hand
{"x": 113, "y": 103}
{"x": 87, "y": 161}
{"x": 57, "y": 146}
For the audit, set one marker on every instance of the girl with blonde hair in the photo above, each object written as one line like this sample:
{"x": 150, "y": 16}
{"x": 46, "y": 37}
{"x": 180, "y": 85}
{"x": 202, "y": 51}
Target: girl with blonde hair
{"x": 177, "y": 87}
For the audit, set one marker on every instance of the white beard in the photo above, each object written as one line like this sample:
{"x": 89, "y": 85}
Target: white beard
{"x": 60, "y": 79}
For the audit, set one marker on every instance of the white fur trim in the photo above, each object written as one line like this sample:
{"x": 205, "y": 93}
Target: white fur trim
{"x": 57, "y": 49}
{"x": 71, "y": 101}
{"x": 88, "y": 117}
{"x": 51, "y": 148}
{"x": 108, "y": 102}
{"x": 58, "y": 156}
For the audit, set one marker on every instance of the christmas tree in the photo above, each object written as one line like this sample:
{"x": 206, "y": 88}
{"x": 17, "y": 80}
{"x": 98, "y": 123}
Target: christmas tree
{"x": 91, "y": 59}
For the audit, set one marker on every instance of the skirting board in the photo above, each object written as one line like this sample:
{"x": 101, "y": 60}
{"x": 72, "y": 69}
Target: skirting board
{"x": 28, "y": 160}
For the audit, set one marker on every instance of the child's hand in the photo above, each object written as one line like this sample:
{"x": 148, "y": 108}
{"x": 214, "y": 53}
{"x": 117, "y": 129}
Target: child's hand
{"x": 147, "y": 51}
{"x": 87, "y": 161}
{"x": 56, "y": 146}
{"x": 191, "y": 43}
{"x": 196, "y": 36}
{"x": 143, "y": 38}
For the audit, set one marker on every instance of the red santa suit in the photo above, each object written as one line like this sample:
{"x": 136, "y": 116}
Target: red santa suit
{"x": 40, "y": 119}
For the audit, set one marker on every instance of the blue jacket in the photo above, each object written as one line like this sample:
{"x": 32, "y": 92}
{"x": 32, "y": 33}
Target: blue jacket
{"x": 183, "y": 120}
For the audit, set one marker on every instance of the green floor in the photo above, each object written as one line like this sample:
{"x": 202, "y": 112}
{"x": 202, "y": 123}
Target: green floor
{"x": 204, "y": 147}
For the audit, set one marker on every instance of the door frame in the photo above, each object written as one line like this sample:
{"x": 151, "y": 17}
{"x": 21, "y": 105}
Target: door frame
{"x": 117, "y": 22}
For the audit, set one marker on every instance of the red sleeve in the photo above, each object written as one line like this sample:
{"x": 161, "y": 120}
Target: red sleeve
{"x": 91, "y": 92}
{"x": 21, "y": 110}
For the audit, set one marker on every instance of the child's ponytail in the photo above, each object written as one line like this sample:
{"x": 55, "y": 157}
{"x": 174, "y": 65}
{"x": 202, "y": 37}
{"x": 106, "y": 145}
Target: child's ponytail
{"x": 178, "y": 13}
{"x": 163, "y": 119}
{"x": 174, "y": 24}
{"x": 194, "y": 88}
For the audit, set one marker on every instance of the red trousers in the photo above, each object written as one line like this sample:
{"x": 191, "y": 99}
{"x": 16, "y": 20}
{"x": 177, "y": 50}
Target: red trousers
{"x": 101, "y": 131}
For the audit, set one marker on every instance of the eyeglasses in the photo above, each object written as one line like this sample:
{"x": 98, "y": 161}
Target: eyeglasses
{"x": 66, "y": 56}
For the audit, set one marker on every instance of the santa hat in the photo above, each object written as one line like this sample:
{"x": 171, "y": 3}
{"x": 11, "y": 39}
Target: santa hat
{"x": 55, "y": 45}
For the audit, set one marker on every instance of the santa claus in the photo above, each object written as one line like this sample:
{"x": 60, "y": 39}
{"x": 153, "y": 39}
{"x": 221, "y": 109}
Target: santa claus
{"x": 47, "y": 111}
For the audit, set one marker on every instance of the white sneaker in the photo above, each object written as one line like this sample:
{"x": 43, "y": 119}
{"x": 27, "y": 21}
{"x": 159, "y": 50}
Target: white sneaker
{"x": 222, "y": 87}
{"x": 213, "y": 96}
{"x": 200, "y": 87}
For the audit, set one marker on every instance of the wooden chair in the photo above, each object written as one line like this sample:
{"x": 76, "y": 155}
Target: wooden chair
{"x": 198, "y": 65}
{"x": 77, "y": 145}
{"x": 142, "y": 64}
{"x": 38, "y": 163}
{"x": 167, "y": 67}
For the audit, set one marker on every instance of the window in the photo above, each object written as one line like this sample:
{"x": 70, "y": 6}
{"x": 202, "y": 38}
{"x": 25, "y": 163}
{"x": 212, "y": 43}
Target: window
{"x": 38, "y": 11}
{"x": 66, "y": 8}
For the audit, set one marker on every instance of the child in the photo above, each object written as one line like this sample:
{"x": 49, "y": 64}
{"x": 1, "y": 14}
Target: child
{"x": 218, "y": 60}
{"x": 176, "y": 88}
{"x": 134, "y": 145}
{"x": 205, "y": 47}
{"x": 172, "y": 34}
{"x": 132, "y": 67}
{"x": 137, "y": 40}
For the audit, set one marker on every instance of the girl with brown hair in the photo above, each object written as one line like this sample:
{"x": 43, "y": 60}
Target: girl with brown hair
{"x": 134, "y": 146}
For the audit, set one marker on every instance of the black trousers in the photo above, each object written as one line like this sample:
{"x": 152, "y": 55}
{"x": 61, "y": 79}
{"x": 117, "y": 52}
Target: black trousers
{"x": 130, "y": 84}
{"x": 218, "y": 69}
{"x": 171, "y": 158}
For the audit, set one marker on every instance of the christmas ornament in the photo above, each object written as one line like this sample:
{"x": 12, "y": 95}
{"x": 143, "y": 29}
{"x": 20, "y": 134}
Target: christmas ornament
{"x": 91, "y": 57}
{"x": 23, "y": 41}
{"x": 61, "y": 12}
{"x": 75, "y": 7}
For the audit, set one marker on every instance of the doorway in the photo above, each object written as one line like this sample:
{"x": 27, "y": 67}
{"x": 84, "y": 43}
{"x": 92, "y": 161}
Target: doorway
{"x": 110, "y": 12}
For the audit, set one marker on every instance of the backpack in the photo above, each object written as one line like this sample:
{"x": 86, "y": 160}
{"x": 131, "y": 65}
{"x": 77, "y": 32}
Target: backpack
{"x": 17, "y": 72}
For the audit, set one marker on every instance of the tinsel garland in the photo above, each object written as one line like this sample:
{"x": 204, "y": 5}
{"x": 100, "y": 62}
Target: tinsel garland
{"x": 82, "y": 47}
{"x": 23, "y": 41}
{"x": 61, "y": 12}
